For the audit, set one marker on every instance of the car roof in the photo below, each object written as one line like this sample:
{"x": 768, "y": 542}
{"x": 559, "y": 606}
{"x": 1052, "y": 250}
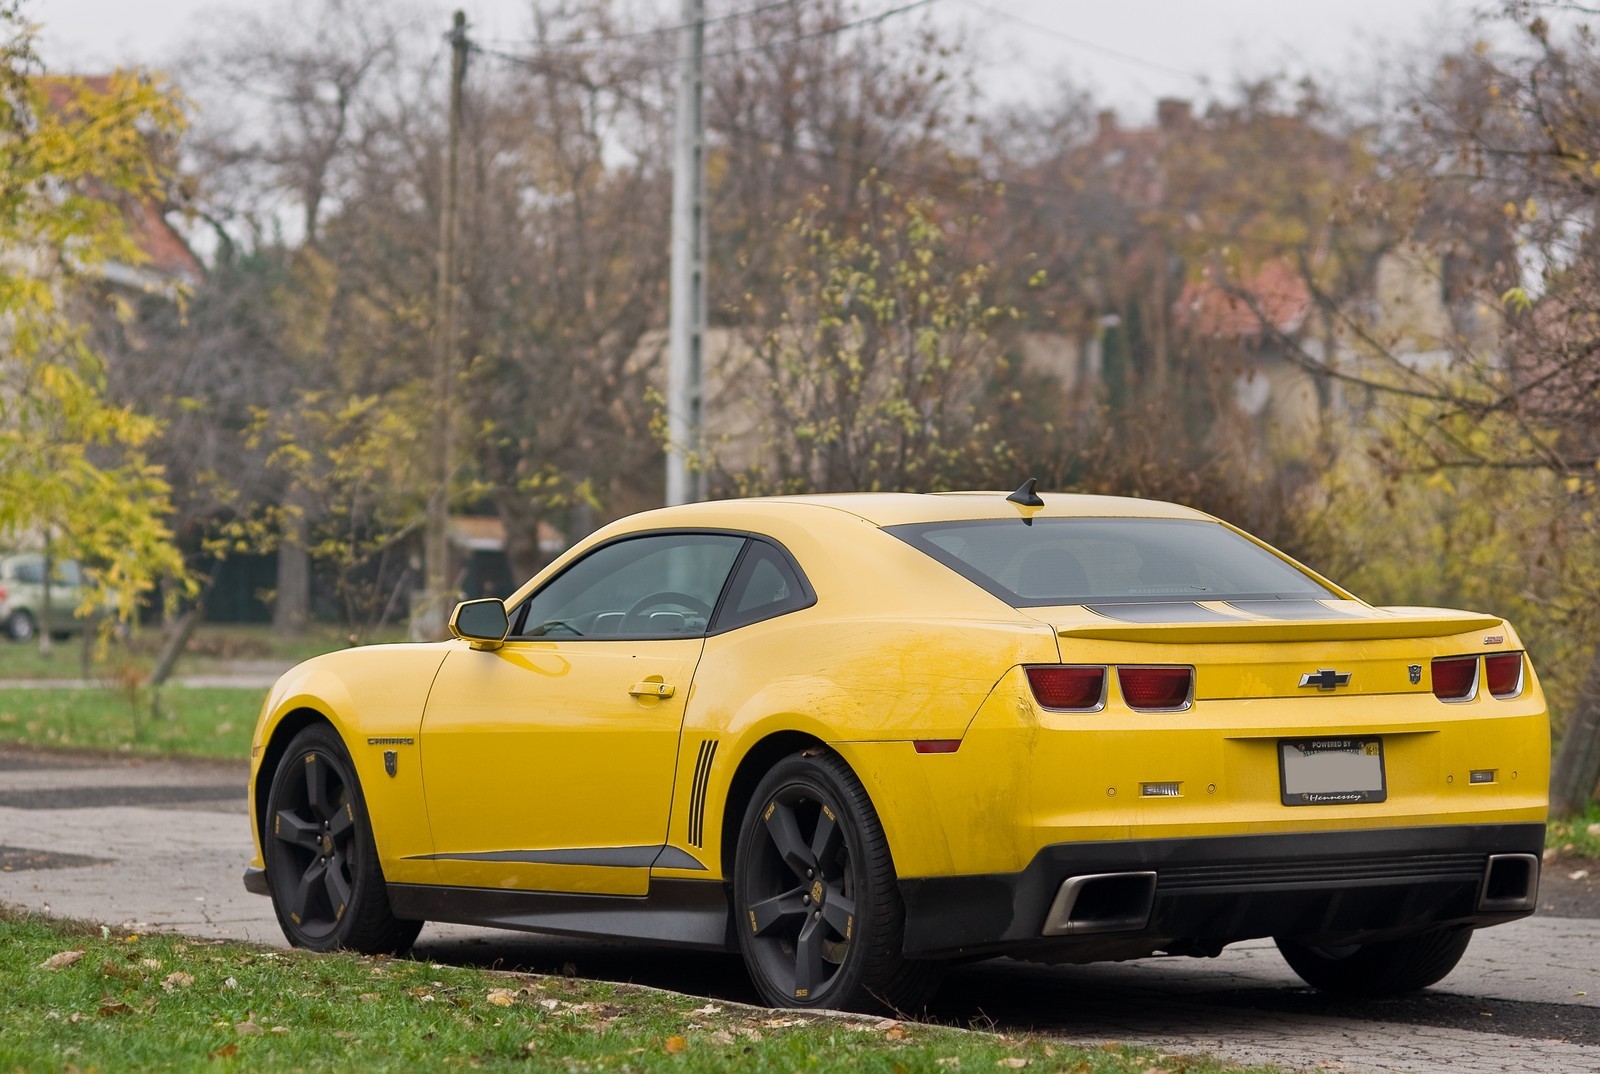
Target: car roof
{"x": 901, "y": 508}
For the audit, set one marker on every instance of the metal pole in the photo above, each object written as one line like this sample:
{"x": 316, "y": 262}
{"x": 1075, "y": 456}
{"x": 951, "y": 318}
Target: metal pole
{"x": 430, "y": 623}
{"x": 687, "y": 315}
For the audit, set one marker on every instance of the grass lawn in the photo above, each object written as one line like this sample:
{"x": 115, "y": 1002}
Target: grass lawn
{"x": 1578, "y": 837}
{"x": 214, "y": 649}
{"x": 85, "y": 998}
{"x": 200, "y": 722}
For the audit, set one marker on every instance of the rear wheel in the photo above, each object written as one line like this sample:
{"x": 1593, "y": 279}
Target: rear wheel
{"x": 1378, "y": 969}
{"x": 819, "y": 913}
{"x": 322, "y": 865}
{"x": 20, "y": 626}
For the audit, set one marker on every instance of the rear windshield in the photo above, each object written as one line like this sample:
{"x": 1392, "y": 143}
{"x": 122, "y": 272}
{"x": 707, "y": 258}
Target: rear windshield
{"x": 1109, "y": 561}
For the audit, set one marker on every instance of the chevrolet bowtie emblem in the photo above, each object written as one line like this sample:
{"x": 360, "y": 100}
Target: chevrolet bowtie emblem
{"x": 1326, "y": 679}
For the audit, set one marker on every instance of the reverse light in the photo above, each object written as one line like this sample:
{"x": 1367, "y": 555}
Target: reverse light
{"x": 1502, "y": 672}
{"x": 1157, "y": 689}
{"x": 1069, "y": 687}
{"x": 1455, "y": 678}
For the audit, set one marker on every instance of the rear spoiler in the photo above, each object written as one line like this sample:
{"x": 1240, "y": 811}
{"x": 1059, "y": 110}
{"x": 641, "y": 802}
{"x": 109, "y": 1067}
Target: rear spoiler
{"x": 1401, "y": 626}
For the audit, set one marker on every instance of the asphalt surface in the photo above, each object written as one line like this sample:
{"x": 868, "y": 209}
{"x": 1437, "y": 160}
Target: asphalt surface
{"x": 158, "y": 844}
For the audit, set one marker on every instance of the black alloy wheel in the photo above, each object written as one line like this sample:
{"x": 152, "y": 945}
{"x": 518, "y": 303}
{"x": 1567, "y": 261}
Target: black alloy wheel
{"x": 322, "y": 866}
{"x": 1386, "y": 968}
{"x": 819, "y": 911}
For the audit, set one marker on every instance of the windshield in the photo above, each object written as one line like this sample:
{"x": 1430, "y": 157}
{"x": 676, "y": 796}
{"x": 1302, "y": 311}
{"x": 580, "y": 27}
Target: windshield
{"x": 1110, "y": 561}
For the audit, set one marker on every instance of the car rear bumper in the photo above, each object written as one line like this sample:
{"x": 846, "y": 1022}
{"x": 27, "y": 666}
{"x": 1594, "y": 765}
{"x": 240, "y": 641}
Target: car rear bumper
{"x": 1082, "y": 902}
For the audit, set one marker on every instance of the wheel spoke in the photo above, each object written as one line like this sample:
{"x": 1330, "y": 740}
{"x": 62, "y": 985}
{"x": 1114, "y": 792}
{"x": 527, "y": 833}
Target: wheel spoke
{"x": 338, "y": 888}
{"x": 825, "y": 840}
{"x": 808, "y": 972}
{"x": 344, "y": 819}
{"x": 785, "y": 833}
{"x": 768, "y": 912}
{"x": 839, "y": 912}
{"x": 317, "y": 787}
{"x": 300, "y": 901}
{"x": 288, "y": 828}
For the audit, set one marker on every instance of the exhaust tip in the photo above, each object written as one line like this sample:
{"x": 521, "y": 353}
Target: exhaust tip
{"x": 1101, "y": 902}
{"x": 1510, "y": 883}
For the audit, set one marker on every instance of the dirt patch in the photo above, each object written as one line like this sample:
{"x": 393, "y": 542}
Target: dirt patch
{"x": 1570, "y": 887}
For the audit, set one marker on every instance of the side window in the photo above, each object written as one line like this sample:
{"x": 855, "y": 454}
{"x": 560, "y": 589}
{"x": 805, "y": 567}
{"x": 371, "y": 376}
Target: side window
{"x": 658, "y": 586}
{"x": 765, "y": 586}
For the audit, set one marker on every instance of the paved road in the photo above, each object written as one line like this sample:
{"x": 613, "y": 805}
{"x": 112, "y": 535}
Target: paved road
{"x": 160, "y": 845}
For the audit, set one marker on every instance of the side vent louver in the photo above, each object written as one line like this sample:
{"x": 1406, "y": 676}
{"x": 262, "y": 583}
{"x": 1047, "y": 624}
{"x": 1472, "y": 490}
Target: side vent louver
{"x": 697, "y": 794}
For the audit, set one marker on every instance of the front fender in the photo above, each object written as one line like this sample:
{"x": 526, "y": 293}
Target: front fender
{"x": 374, "y": 698}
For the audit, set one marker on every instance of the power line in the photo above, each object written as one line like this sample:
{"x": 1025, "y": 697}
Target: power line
{"x": 655, "y": 31}
{"x": 1084, "y": 43}
{"x": 538, "y": 61}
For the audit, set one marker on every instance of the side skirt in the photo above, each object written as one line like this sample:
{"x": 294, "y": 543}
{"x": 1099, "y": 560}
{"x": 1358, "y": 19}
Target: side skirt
{"x": 676, "y": 913}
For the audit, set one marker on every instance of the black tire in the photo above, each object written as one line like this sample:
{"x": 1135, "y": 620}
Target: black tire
{"x": 322, "y": 866}
{"x": 20, "y": 626}
{"x": 818, "y": 907}
{"x": 1378, "y": 969}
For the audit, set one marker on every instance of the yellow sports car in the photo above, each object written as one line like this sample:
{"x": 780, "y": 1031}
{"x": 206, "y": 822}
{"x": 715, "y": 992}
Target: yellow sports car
{"x": 855, "y": 737}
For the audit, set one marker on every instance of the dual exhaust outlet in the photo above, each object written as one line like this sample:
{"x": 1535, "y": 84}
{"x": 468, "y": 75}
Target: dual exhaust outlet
{"x": 1122, "y": 902}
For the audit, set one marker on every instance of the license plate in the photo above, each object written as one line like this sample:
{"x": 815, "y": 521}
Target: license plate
{"x": 1331, "y": 771}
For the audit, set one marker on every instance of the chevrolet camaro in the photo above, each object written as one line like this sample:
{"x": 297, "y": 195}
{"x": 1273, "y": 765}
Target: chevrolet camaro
{"x": 857, "y": 737}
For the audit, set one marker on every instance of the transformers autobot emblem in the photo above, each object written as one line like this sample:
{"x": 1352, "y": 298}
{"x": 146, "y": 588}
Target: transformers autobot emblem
{"x": 1415, "y": 671}
{"x": 391, "y": 761}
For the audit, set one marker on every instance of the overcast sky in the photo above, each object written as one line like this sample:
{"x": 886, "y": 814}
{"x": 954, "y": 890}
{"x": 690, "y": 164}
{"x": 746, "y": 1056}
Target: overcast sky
{"x": 1127, "y": 52}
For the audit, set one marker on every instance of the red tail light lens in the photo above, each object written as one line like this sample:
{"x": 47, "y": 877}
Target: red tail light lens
{"x": 1503, "y": 673}
{"x": 1069, "y": 688}
{"x": 1455, "y": 678}
{"x": 1156, "y": 688}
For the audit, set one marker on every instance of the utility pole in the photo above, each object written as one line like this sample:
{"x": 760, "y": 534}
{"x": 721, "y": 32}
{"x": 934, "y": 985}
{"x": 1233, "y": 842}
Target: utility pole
{"x": 428, "y": 622}
{"x": 687, "y": 316}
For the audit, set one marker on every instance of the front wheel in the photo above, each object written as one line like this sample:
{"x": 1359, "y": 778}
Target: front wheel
{"x": 818, "y": 905}
{"x": 1378, "y": 969}
{"x": 322, "y": 865}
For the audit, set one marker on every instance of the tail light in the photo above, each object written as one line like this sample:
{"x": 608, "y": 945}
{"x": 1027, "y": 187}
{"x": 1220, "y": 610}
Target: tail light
{"x": 1156, "y": 689}
{"x": 1455, "y": 678}
{"x": 1069, "y": 688}
{"x": 1502, "y": 672}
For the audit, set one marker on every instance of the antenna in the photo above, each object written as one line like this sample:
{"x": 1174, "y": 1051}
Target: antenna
{"x": 1025, "y": 494}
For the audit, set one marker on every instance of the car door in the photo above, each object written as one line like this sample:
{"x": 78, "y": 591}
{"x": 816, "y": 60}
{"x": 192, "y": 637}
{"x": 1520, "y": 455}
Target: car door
{"x": 548, "y": 764}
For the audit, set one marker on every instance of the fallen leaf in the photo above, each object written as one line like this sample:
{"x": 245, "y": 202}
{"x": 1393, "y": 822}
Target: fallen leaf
{"x": 502, "y": 997}
{"x": 1593, "y": 829}
{"x": 707, "y": 1009}
{"x": 1578, "y": 874}
{"x": 674, "y": 1044}
{"x": 108, "y": 1009}
{"x": 895, "y": 1033}
{"x": 61, "y": 960}
{"x": 279, "y": 1029}
{"x": 948, "y": 1061}
{"x": 227, "y": 1051}
{"x": 247, "y": 1029}
{"x": 368, "y": 997}
{"x": 1015, "y": 1062}
{"x": 550, "y": 1004}
{"x": 177, "y": 979}
{"x": 231, "y": 982}
{"x": 722, "y": 1036}
{"x": 150, "y": 963}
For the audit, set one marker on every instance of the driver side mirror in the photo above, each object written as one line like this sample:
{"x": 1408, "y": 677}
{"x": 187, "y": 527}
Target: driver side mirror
{"x": 482, "y": 624}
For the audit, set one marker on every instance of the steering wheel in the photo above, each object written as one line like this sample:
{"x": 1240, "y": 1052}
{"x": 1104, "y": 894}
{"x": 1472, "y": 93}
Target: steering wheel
{"x": 683, "y": 600}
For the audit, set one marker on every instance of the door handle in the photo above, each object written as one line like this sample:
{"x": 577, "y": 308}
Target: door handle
{"x": 652, "y": 689}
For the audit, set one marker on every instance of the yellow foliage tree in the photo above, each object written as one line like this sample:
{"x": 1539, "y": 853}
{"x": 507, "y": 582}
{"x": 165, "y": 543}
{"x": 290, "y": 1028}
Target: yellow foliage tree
{"x": 71, "y": 464}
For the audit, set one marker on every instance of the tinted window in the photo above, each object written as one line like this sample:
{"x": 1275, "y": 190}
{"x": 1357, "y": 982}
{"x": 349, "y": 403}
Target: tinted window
{"x": 658, "y": 586}
{"x": 765, "y": 585}
{"x": 1109, "y": 560}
